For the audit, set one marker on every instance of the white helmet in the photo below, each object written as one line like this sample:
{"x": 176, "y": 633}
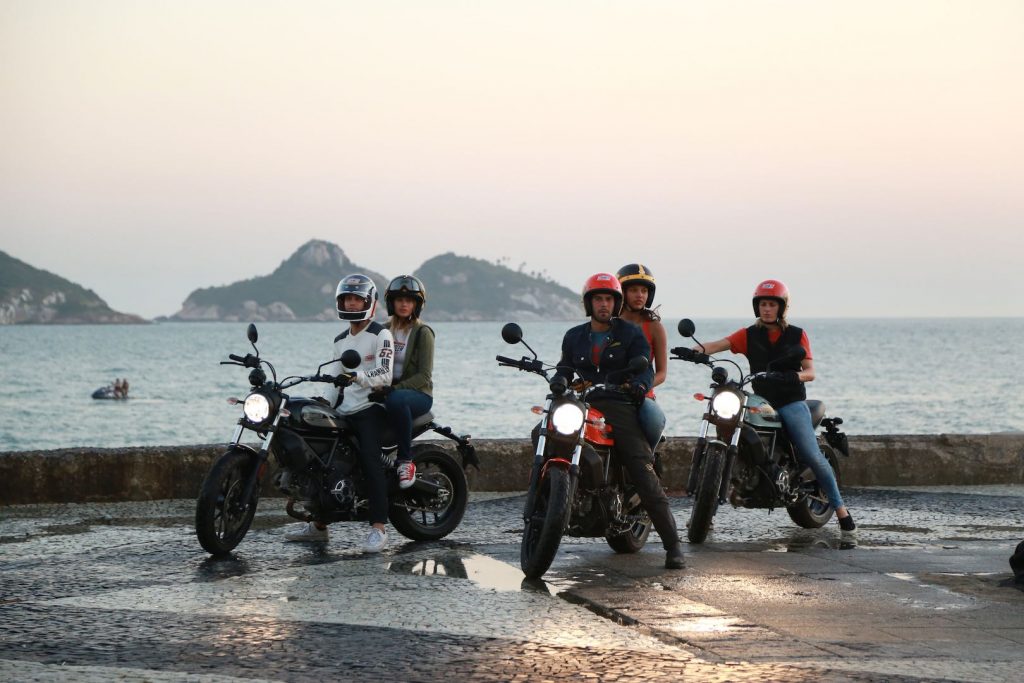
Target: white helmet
{"x": 361, "y": 286}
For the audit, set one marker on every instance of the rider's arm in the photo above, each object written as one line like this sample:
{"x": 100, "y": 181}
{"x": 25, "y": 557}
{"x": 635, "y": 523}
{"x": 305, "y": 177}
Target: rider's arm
{"x": 565, "y": 364}
{"x": 714, "y": 347}
{"x": 806, "y": 373}
{"x": 379, "y": 373}
{"x": 660, "y": 352}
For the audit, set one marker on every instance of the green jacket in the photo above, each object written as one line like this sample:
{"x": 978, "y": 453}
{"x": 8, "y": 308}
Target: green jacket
{"x": 419, "y": 360}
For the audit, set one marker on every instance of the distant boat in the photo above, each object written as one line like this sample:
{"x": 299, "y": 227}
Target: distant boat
{"x": 107, "y": 393}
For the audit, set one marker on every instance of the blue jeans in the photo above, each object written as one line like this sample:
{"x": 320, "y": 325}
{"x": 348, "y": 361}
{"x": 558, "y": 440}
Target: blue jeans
{"x": 796, "y": 418}
{"x": 652, "y": 421}
{"x": 403, "y": 405}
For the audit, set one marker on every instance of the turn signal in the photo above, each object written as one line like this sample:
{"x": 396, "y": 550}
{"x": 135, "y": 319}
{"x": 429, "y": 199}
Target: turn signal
{"x": 233, "y": 401}
{"x": 699, "y": 397}
{"x": 537, "y": 410}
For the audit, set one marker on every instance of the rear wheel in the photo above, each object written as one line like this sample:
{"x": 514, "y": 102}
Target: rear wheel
{"x": 705, "y": 502}
{"x": 814, "y": 510}
{"x": 546, "y": 523}
{"x": 222, "y": 517}
{"x": 429, "y": 515}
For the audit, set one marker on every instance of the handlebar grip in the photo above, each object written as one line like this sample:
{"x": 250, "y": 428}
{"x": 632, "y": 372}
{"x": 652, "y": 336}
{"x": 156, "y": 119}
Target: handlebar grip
{"x": 509, "y": 361}
{"x": 237, "y": 359}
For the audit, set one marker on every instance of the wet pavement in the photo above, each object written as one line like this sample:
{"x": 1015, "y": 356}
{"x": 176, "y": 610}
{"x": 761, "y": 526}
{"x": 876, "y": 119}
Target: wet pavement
{"x": 124, "y": 592}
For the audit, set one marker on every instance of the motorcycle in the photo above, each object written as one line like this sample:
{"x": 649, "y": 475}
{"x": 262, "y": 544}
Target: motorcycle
{"x": 750, "y": 462}
{"x": 319, "y": 470}
{"x": 577, "y": 486}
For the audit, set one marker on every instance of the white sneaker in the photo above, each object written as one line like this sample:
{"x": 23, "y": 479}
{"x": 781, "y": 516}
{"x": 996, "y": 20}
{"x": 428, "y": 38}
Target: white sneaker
{"x": 406, "y": 474}
{"x": 376, "y": 541}
{"x": 308, "y": 532}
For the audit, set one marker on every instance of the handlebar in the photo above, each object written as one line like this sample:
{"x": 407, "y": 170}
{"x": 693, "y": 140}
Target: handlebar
{"x": 524, "y": 364}
{"x": 683, "y": 353}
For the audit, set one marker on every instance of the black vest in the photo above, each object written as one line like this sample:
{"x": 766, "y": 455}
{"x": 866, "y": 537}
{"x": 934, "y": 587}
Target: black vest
{"x": 760, "y": 352}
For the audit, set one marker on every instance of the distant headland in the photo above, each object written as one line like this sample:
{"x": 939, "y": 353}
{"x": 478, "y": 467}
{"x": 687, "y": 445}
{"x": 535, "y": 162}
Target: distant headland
{"x": 301, "y": 289}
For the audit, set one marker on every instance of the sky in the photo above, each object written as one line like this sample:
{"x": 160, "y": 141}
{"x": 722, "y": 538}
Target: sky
{"x": 869, "y": 154}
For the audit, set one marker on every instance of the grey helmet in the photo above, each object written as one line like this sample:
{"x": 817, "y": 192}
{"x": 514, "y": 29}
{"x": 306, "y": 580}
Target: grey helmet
{"x": 362, "y": 286}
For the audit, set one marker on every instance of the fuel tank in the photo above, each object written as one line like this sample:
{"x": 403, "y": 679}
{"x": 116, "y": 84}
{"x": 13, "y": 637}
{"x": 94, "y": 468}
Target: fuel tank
{"x": 309, "y": 415}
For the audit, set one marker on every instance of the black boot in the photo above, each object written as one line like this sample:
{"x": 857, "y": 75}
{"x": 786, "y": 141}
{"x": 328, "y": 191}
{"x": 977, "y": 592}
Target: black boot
{"x": 674, "y": 558}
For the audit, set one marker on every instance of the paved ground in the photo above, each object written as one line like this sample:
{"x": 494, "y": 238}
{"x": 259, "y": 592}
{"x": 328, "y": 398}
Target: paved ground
{"x": 123, "y": 592}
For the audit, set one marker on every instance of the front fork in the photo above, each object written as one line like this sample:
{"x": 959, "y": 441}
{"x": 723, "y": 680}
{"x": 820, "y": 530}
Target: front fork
{"x": 538, "y": 466}
{"x": 730, "y": 457}
{"x": 261, "y": 457}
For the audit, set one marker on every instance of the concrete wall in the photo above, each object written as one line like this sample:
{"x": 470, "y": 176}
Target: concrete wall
{"x": 92, "y": 475}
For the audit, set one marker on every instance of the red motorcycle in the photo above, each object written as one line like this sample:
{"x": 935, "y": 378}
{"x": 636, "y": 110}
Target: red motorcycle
{"x": 577, "y": 486}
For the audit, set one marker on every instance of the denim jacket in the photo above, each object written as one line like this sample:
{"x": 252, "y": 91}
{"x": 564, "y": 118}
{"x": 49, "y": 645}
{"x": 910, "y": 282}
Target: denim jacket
{"x": 625, "y": 341}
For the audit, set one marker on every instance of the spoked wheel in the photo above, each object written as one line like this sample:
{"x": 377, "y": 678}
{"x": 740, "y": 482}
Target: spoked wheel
{"x": 222, "y": 517}
{"x": 813, "y": 510}
{"x": 427, "y": 515}
{"x": 705, "y": 503}
{"x": 634, "y": 538}
{"x": 546, "y": 523}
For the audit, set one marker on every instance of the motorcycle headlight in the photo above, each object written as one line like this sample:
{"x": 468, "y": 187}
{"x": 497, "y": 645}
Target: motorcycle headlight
{"x": 567, "y": 419}
{"x": 726, "y": 405}
{"x": 256, "y": 408}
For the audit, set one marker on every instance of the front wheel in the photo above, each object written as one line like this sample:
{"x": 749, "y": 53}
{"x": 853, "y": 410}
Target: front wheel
{"x": 546, "y": 523}
{"x": 222, "y": 517}
{"x": 430, "y": 515}
{"x": 813, "y": 510}
{"x": 705, "y": 503}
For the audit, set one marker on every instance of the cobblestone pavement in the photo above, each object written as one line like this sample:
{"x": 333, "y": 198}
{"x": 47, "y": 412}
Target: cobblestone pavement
{"x": 123, "y": 592}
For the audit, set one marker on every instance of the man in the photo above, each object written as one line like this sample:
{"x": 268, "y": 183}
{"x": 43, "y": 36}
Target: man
{"x": 604, "y": 345}
{"x": 357, "y": 301}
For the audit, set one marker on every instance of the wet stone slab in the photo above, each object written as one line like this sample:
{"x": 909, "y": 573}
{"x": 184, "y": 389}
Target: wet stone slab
{"x": 123, "y": 592}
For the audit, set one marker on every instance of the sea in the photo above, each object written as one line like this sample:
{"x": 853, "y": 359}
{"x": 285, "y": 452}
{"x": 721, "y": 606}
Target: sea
{"x": 882, "y": 376}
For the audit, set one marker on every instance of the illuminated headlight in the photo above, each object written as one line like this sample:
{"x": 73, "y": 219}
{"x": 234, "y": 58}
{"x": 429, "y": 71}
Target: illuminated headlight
{"x": 726, "y": 405}
{"x": 256, "y": 408}
{"x": 567, "y": 419}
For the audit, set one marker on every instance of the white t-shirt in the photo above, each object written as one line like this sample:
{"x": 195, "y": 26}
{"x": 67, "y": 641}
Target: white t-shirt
{"x": 401, "y": 343}
{"x": 376, "y": 350}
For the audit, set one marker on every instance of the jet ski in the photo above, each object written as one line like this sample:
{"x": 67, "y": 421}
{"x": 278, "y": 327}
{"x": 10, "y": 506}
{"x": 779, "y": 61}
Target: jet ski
{"x": 108, "y": 393}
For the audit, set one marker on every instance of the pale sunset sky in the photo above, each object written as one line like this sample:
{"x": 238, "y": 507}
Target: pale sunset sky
{"x": 869, "y": 154}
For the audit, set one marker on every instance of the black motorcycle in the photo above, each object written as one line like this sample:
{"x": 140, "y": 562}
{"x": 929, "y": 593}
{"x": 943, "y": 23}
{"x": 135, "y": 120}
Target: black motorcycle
{"x": 750, "y": 462}
{"x": 319, "y": 470}
{"x": 577, "y": 486}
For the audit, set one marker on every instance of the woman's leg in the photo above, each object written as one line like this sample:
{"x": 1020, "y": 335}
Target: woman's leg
{"x": 796, "y": 418}
{"x": 403, "y": 405}
{"x": 652, "y": 421}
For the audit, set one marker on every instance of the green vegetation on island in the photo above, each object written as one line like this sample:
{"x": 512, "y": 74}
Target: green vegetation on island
{"x": 29, "y": 295}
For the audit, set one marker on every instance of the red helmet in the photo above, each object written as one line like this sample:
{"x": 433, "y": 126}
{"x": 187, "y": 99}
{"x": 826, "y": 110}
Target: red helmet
{"x": 772, "y": 289}
{"x": 604, "y": 283}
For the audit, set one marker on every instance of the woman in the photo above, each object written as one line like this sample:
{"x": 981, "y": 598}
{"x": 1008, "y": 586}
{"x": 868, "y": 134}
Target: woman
{"x": 410, "y": 395}
{"x": 638, "y": 288}
{"x": 765, "y": 341}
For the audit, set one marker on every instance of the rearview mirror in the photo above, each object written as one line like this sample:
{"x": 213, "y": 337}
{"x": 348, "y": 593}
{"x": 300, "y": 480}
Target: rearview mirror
{"x": 350, "y": 359}
{"x": 686, "y": 327}
{"x": 252, "y": 333}
{"x": 512, "y": 333}
{"x": 638, "y": 364}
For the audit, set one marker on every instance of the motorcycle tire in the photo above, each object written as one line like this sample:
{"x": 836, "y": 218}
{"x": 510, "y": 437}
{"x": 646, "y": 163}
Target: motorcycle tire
{"x": 422, "y": 516}
{"x": 813, "y": 510}
{"x": 222, "y": 519}
{"x": 543, "y": 532}
{"x": 705, "y": 502}
{"x": 634, "y": 539}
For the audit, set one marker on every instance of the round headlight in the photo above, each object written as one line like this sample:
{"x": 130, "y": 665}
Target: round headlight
{"x": 256, "y": 408}
{"x": 726, "y": 404}
{"x": 567, "y": 419}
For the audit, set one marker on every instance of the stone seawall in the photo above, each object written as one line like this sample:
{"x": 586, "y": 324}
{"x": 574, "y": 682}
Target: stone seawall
{"x": 96, "y": 475}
